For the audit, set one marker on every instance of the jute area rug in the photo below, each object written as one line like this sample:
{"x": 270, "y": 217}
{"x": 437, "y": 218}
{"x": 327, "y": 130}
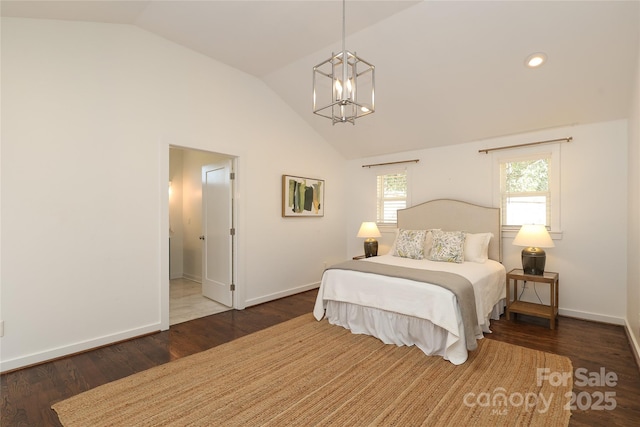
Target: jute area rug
{"x": 308, "y": 373}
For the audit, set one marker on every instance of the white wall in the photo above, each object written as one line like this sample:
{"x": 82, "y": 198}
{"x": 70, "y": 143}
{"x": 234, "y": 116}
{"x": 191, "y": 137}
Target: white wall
{"x": 633, "y": 287}
{"x": 176, "y": 233}
{"x": 88, "y": 114}
{"x": 591, "y": 255}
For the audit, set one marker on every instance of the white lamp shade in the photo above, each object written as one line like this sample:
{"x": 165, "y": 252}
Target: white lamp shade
{"x": 369, "y": 229}
{"x": 535, "y": 236}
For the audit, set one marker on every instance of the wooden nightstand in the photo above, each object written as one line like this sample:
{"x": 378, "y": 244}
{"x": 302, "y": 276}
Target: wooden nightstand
{"x": 533, "y": 309}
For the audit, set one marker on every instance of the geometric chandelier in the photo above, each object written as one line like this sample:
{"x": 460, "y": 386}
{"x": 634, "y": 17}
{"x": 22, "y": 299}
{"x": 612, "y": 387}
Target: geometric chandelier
{"x": 343, "y": 85}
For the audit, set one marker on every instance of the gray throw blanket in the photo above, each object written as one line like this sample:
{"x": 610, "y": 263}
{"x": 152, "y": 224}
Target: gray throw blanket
{"x": 460, "y": 286}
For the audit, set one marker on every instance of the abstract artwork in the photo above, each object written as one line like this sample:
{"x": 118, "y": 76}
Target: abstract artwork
{"x": 302, "y": 196}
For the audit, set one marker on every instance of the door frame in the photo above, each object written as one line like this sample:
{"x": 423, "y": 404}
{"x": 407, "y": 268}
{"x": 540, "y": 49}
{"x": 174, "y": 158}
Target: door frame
{"x": 239, "y": 253}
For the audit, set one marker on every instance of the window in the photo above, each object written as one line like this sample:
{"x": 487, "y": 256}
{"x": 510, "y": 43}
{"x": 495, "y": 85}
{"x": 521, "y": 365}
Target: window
{"x": 392, "y": 195}
{"x": 525, "y": 190}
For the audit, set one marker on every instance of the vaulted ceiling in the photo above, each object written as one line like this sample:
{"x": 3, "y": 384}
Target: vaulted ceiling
{"x": 447, "y": 72}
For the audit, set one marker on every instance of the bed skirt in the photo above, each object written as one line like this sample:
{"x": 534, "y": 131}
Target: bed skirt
{"x": 399, "y": 329}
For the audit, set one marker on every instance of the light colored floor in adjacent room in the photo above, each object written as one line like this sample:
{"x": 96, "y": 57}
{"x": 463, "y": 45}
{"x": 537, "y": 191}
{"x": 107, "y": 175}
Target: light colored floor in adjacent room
{"x": 187, "y": 303}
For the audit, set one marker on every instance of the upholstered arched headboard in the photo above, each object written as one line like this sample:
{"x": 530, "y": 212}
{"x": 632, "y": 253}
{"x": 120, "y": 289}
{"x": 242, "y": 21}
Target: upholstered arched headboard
{"x": 455, "y": 215}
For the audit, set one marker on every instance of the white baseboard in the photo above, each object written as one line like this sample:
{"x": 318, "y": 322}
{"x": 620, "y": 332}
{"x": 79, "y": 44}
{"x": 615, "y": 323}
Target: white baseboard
{"x": 35, "y": 358}
{"x": 585, "y": 315}
{"x": 48, "y": 355}
{"x": 596, "y": 317}
{"x": 633, "y": 341}
{"x": 282, "y": 294}
{"x": 193, "y": 277}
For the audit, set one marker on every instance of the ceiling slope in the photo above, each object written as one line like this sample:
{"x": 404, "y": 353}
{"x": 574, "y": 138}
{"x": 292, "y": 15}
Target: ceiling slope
{"x": 447, "y": 72}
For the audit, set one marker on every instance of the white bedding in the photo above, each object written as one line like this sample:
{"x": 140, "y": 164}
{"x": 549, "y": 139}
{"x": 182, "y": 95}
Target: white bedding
{"x": 405, "y": 312}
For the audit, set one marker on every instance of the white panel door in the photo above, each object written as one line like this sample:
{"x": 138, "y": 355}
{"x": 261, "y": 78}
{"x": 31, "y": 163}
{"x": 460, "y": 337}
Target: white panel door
{"x": 217, "y": 222}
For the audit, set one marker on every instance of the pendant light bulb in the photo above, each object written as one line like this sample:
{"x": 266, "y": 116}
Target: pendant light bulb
{"x": 349, "y": 89}
{"x": 338, "y": 89}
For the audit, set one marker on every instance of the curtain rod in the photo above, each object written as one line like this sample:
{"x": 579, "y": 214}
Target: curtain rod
{"x": 486, "y": 150}
{"x": 392, "y": 163}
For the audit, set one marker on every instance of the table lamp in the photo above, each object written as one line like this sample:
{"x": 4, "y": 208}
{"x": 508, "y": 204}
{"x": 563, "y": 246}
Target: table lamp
{"x": 369, "y": 230}
{"x": 534, "y": 238}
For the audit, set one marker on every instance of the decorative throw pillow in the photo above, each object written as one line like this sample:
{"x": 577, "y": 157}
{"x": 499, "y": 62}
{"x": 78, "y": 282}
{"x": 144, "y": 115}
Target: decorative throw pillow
{"x": 448, "y": 246}
{"x": 476, "y": 247}
{"x": 410, "y": 244}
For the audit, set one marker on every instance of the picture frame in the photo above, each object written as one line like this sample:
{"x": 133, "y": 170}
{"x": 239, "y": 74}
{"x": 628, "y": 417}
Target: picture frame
{"x": 302, "y": 197}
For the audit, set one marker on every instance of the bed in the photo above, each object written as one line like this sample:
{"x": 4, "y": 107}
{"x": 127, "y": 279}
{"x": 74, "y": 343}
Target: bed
{"x": 440, "y": 300}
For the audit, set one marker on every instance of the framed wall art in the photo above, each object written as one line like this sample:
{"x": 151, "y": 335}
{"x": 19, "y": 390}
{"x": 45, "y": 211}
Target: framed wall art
{"x": 302, "y": 197}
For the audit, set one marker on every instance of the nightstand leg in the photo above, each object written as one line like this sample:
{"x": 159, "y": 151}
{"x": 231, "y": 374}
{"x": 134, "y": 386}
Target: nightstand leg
{"x": 554, "y": 304}
{"x": 508, "y": 298}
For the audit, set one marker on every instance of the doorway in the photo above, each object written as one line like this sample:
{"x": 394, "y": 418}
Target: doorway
{"x": 193, "y": 233}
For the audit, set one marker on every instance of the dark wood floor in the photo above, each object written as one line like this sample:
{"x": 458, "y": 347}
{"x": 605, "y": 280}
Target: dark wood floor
{"x": 27, "y": 394}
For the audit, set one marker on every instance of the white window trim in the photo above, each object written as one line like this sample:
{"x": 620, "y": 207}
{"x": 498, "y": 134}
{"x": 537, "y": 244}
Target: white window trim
{"x": 554, "y": 178}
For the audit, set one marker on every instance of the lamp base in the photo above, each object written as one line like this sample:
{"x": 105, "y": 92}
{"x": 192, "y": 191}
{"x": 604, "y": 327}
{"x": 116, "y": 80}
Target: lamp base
{"x": 370, "y": 247}
{"x": 533, "y": 261}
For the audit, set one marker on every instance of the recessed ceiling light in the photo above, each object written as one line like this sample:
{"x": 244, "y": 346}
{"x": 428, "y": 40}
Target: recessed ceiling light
{"x": 535, "y": 60}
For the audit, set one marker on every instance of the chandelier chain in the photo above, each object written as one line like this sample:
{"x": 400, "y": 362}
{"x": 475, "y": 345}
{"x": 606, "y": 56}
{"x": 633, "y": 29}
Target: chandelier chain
{"x": 344, "y": 25}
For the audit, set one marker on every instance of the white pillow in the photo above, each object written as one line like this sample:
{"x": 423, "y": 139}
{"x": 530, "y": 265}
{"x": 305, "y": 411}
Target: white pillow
{"x": 476, "y": 247}
{"x": 410, "y": 244}
{"x": 428, "y": 241}
{"x": 392, "y": 250}
{"x": 448, "y": 246}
